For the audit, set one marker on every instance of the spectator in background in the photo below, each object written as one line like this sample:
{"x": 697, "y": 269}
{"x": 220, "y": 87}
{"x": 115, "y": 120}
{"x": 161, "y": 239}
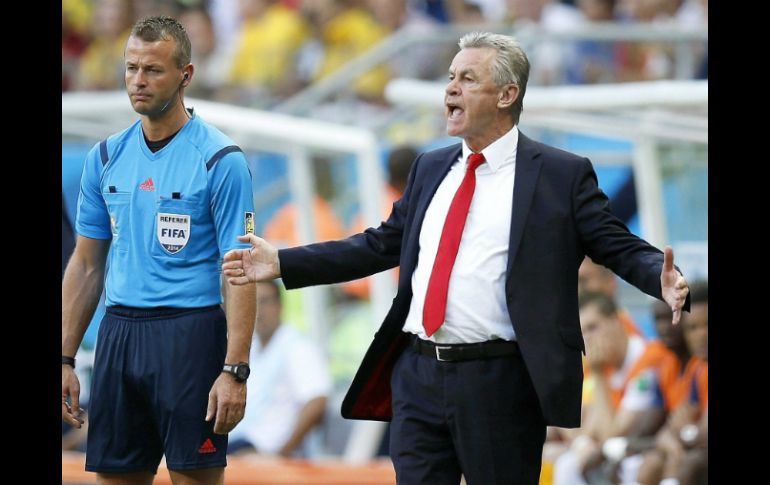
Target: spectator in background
{"x": 288, "y": 389}
{"x": 101, "y": 66}
{"x": 75, "y": 21}
{"x": 594, "y": 61}
{"x": 425, "y": 60}
{"x": 282, "y": 226}
{"x": 548, "y": 58}
{"x": 681, "y": 453}
{"x": 671, "y": 337}
{"x": 641, "y": 61}
{"x": 436, "y": 9}
{"x": 225, "y": 16}
{"x": 347, "y": 29}
{"x": 684, "y": 13}
{"x": 399, "y": 165}
{"x": 620, "y": 390}
{"x": 210, "y": 60}
{"x": 265, "y": 55}
{"x": 153, "y": 8}
{"x": 665, "y": 357}
{"x": 598, "y": 279}
{"x": 492, "y": 11}
{"x": 466, "y": 12}
{"x": 638, "y": 61}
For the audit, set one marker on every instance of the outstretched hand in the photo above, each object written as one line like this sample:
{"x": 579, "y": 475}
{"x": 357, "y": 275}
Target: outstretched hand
{"x": 673, "y": 285}
{"x": 260, "y": 263}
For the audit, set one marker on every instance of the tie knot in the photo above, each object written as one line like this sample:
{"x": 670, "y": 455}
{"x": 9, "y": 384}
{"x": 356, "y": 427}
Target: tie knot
{"x": 474, "y": 160}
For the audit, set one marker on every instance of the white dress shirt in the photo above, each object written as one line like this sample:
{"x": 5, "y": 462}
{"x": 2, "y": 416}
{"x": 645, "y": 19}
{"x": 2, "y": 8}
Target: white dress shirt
{"x": 476, "y": 308}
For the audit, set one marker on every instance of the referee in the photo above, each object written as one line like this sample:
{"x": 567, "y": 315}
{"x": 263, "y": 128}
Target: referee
{"x": 160, "y": 203}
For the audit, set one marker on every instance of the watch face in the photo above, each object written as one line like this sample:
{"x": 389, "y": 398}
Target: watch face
{"x": 242, "y": 371}
{"x": 689, "y": 433}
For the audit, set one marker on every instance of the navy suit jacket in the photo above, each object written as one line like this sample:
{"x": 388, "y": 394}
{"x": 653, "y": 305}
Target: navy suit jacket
{"x": 559, "y": 215}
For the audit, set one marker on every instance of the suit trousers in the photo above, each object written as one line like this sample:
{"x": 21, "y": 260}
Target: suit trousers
{"x": 479, "y": 418}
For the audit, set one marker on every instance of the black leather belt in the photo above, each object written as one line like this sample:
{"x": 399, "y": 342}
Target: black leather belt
{"x": 457, "y": 352}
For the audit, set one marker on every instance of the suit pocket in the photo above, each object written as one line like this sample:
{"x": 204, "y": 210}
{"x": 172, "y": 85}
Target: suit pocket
{"x": 572, "y": 337}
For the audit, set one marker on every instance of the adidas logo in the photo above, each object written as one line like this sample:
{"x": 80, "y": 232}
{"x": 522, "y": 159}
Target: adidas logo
{"x": 207, "y": 447}
{"x": 147, "y": 185}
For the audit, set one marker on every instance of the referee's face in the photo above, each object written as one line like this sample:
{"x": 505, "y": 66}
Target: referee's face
{"x": 152, "y": 76}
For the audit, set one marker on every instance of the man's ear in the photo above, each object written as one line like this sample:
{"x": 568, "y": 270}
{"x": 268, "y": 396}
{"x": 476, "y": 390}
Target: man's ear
{"x": 508, "y": 95}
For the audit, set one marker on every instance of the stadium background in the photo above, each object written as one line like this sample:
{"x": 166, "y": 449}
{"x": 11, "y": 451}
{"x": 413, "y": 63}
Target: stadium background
{"x": 624, "y": 85}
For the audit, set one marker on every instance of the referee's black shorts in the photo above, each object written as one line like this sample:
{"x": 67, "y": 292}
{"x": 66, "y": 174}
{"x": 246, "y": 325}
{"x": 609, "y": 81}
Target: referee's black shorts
{"x": 152, "y": 374}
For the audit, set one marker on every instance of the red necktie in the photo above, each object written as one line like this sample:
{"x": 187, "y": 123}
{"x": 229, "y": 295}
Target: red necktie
{"x": 438, "y": 285}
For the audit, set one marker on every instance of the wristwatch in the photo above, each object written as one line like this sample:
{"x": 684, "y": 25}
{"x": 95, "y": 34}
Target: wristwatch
{"x": 240, "y": 371}
{"x": 688, "y": 434}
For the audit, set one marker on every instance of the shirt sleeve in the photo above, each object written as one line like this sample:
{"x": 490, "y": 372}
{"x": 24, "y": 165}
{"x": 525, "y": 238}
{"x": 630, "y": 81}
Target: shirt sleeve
{"x": 93, "y": 218}
{"x": 231, "y": 199}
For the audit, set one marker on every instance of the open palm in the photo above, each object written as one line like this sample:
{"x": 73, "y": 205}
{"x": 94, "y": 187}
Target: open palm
{"x": 673, "y": 285}
{"x": 260, "y": 263}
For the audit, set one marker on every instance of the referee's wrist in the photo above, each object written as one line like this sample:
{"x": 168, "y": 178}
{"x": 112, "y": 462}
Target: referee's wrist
{"x": 66, "y": 360}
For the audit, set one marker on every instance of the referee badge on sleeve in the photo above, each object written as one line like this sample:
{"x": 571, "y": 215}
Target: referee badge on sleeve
{"x": 173, "y": 231}
{"x": 248, "y": 223}
{"x": 114, "y": 225}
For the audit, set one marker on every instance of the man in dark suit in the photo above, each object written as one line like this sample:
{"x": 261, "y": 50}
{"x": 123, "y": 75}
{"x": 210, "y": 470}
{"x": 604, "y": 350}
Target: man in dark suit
{"x": 470, "y": 369}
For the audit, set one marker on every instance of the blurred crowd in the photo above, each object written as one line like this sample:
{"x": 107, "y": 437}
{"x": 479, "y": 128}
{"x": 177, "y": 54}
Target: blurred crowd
{"x": 259, "y": 52}
{"x": 645, "y": 397}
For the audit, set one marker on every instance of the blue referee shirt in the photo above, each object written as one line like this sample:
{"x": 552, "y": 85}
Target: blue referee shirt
{"x": 171, "y": 214}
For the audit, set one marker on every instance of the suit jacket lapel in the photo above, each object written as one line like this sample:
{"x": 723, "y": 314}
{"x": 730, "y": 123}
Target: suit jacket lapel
{"x": 527, "y": 169}
{"x": 433, "y": 179}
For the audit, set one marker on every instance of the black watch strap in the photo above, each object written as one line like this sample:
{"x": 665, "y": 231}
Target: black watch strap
{"x": 68, "y": 361}
{"x": 239, "y": 371}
